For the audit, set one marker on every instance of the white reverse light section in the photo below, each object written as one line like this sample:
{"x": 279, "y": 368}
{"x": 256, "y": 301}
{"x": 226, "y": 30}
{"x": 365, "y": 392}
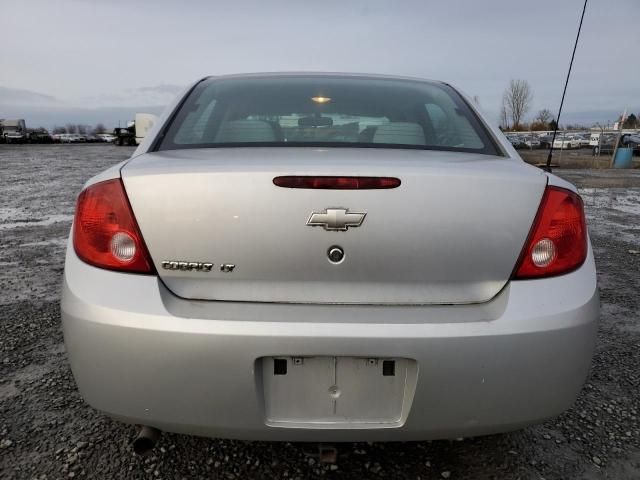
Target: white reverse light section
{"x": 543, "y": 253}
{"x": 123, "y": 247}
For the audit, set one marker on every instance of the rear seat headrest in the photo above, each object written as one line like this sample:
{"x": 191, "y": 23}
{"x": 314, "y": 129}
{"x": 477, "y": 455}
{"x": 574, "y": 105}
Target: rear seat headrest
{"x": 406, "y": 133}
{"x": 246, "y": 131}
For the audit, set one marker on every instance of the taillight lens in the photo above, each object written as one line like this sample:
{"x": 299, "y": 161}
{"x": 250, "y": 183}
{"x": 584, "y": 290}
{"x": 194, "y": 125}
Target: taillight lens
{"x": 557, "y": 243}
{"x": 105, "y": 232}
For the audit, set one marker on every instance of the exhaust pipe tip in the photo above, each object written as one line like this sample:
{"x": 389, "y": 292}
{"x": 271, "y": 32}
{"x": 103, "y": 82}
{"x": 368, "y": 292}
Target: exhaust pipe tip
{"x": 146, "y": 440}
{"x": 327, "y": 453}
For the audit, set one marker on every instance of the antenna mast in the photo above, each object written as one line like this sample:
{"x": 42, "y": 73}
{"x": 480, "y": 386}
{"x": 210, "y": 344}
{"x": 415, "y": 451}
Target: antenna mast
{"x": 555, "y": 130}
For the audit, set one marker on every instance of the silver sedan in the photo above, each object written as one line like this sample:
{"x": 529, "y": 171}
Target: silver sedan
{"x": 328, "y": 257}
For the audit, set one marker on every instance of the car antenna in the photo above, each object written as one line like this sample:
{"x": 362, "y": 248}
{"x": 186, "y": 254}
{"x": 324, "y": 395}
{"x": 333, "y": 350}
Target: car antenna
{"x": 555, "y": 129}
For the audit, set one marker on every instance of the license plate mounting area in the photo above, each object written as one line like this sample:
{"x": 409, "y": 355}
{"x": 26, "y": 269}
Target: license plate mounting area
{"x": 337, "y": 391}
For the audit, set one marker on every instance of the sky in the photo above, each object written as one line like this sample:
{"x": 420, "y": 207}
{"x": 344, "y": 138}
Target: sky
{"x": 92, "y": 61}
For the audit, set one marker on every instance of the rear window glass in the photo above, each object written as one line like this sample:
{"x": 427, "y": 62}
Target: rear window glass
{"x": 326, "y": 111}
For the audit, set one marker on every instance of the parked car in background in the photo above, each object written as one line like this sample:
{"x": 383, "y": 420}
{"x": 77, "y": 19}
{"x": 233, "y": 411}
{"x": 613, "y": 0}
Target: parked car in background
{"x": 545, "y": 141}
{"x": 532, "y": 142}
{"x": 69, "y": 138}
{"x": 40, "y": 136}
{"x": 515, "y": 143}
{"x": 516, "y": 140}
{"x": 582, "y": 139}
{"x": 602, "y": 142}
{"x": 106, "y": 137}
{"x": 328, "y": 257}
{"x": 565, "y": 142}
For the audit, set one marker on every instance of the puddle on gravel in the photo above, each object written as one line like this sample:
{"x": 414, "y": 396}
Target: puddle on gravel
{"x": 623, "y": 200}
{"x": 613, "y": 212}
{"x": 50, "y": 220}
{"x": 57, "y": 242}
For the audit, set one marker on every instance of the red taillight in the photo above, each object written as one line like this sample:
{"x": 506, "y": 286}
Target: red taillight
{"x": 557, "y": 243}
{"x": 337, "y": 183}
{"x": 105, "y": 232}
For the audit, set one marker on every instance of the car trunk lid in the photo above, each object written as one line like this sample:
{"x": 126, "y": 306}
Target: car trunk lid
{"x": 451, "y": 233}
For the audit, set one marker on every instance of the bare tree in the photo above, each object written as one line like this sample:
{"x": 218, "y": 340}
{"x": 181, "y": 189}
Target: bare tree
{"x": 517, "y": 100}
{"x": 71, "y": 128}
{"x": 99, "y": 128}
{"x": 504, "y": 117}
{"x": 58, "y": 129}
{"x": 544, "y": 116}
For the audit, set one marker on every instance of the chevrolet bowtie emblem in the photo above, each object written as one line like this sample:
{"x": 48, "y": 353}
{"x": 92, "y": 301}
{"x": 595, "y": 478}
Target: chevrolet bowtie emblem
{"x": 336, "y": 219}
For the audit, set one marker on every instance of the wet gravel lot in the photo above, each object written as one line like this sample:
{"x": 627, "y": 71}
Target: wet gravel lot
{"x": 47, "y": 431}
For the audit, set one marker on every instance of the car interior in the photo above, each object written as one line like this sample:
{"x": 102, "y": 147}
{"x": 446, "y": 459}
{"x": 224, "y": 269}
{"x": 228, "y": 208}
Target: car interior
{"x": 320, "y": 111}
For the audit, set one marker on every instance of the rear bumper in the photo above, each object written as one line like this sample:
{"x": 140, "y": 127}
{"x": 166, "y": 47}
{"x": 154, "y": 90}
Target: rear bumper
{"x": 144, "y": 356}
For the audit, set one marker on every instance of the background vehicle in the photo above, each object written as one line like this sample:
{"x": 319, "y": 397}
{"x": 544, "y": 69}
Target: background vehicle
{"x": 545, "y": 141}
{"x": 39, "y": 136}
{"x": 69, "y": 138}
{"x": 106, "y": 137}
{"x": 143, "y": 124}
{"x": 14, "y": 136}
{"x": 125, "y": 135}
{"x": 565, "y": 142}
{"x": 602, "y": 142}
{"x": 517, "y": 141}
{"x": 582, "y": 139}
{"x": 532, "y": 142}
{"x": 135, "y": 131}
{"x": 13, "y": 131}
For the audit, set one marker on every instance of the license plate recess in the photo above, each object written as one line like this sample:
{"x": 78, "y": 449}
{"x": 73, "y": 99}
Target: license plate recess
{"x": 337, "y": 392}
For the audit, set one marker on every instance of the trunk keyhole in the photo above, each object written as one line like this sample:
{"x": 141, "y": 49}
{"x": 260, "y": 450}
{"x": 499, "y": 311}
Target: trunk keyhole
{"x": 336, "y": 254}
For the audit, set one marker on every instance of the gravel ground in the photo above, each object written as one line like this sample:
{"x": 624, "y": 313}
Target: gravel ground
{"x": 47, "y": 431}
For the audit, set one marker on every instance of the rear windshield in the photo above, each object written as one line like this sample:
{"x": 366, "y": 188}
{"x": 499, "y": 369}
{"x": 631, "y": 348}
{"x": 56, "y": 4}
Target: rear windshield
{"x": 326, "y": 111}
